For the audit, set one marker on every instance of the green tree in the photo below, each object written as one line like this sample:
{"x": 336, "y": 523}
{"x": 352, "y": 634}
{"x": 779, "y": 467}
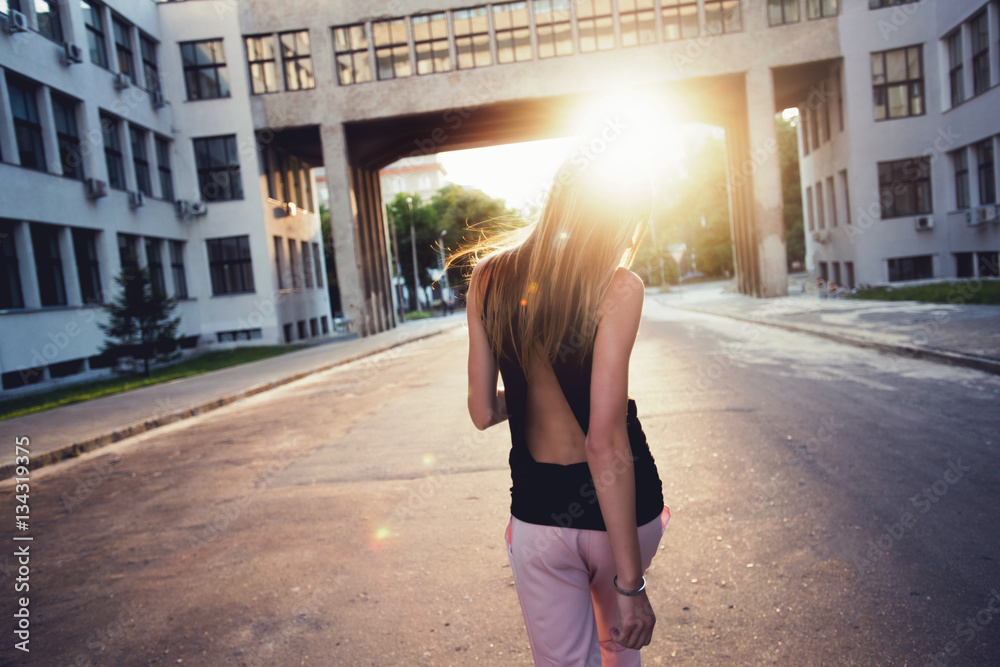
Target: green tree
{"x": 788, "y": 148}
{"x": 139, "y": 320}
{"x": 332, "y": 286}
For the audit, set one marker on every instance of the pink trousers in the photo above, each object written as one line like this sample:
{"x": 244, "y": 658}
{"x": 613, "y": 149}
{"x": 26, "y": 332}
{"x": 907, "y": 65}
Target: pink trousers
{"x": 564, "y": 579}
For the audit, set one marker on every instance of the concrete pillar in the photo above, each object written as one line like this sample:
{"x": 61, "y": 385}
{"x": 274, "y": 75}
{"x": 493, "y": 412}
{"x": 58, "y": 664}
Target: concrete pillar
{"x": 26, "y": 263}
{"x": 71, "y": 276}
{"x": 8, "y": 140}
{"x": 50, "y": 139}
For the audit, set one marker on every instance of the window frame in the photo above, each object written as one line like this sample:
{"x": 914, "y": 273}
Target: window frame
{"x": 154, "y": 264}
{"x": 57, "y": 34}
{"x": 956, "y": 67}
{"x": 508, "y": 35}
{"x": 177, "y": 269}
{"x": 558, "y": 28}
{"x": 230, "y": 275}
{"x": 306, "y": 264}
{"x": 293, "y": 264}
{"x": 888, "y": 189}
{"x": 474, "y": 39}
{"x": 785, "y": 8}
{"x": 725, "y": 9}
{"x": 595, "y": 21}
{"x": 679, "y": 12}
{"x": 45, "y": 242}
{"x": 166, "y": 174}
{"x": 986, "y": 172}
{"x": 817, "y": 9}
{"x": 96, "y": 43}
{"x": 27, "y": 124}
{"x": 192, "y": 68}
{"x": 353, "y": 52}
{"x": 140, "y": 159}
{"x": 64, "y": 110}
{"x": 963, "y": 192}
{"x": 122, "y": 29}
{"x": 113, "y": 157}
{"x": 632, "y": 15}
{"x": 317, "y": 264}
{"x": 11, "y": 291}
{"x": 270, "y": 84}
{"x": 979, "y": 28}
{"x": 292, "y": 59}
{"x": 909, "y": 82}
{"x": 150, "y": 62}
{"x": 229, "y": 188}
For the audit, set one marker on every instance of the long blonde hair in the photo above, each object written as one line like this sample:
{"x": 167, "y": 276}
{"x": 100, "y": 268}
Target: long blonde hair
{"x": 552, "y": 275}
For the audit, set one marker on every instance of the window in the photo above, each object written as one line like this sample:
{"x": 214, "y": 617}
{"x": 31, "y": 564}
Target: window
{"x": 307, "y": 183}
{"x": 295, "y": 167}
{"x": 68, "y": 136}
{"x": 302, "y": 329}
{"x": 49, "y": 21}
{"x": 905, "y": 187}
{"x": 817, "y": 9}
{"x": 472, "y": 37}
{"x": 877, "y": 4}
{"x": 980, "y": 53}
{"x": 810, "y": 211}
{"x": 163, "y": 166}
{"x": 595, "y": 24}
{"x": 205, "y": 73}
{"x": 849, "y": 270}
{"x": 350, "y": 45}
{"x": 960, "y": 158}
{"x": 325, "y": 324}
{"x": 430, "y": 38}
{"x": 150, "y": 66}
{"x": 128, "y": 254}
{"x": 307, "y": 265}
{"x": 823, "y": 114}
{"x": 987, "y": 172}
{"x": 814, "y": 126}
{"x": 911, "y": 268}
{"x": 804, "y": 122}
{"x": 723, "y": 16}
{"x": 277, "y": 262}
{"x": 27, "y": 128}
{"x": 847, "y": 196}
{"x": 836, "y": 272}
{"x": 392, "y": 51}
{"x": 218, "y": 168}
{"x": 313, "y": 327}
{"x": 140, "y": 160}
{"x": 840, "y": 98}
{"x": 48, "y": 264}
{"x": 93, "y": 19}
{"x": 987, "y": 264}
{"x": 88, "y": 269}
{"x": 293, "y": 264}
{"x": 780, "y": 12}
{"x": 177, "y": 269}
{"x": 263, "y": 64}
{"x": 113, "y": 152}
{"x": 318, "y": 265}
{"x": 513, "y": 32}
{"x": 824, "y": 271}
{"x": 638, "y": 22}
{"x": 832, "y": 195}
{"x": 552, "y": 27}
{"x": 955, "y": 69}
{"x": 964, "y": 267}
{"x": 898, "y": 83}
{"x": 230, "y": 265}
{"x": 10, "y": 274}
{"x": 680, "y": 19}
{"x": 298, "y": 60}
{"x": 287, "y": 328}
{"x": 154, "y": 260}
{"x": 123, "y": 46}
{"x": 820, "y": 208}
{"x": 238, "y": 334}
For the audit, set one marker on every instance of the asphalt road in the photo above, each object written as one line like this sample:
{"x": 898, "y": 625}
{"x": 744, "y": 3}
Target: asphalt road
{"x": 831, "y": 506}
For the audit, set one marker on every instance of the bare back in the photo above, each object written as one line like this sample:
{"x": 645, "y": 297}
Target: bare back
{"x": 551, "y": 430}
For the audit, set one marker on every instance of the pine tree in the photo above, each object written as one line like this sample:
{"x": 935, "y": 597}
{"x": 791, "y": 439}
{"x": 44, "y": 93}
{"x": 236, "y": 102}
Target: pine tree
{"x": 139, "y": 320}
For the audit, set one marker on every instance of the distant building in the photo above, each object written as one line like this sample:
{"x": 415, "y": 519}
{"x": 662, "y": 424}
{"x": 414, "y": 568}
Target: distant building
{"x": 421, "y": 174}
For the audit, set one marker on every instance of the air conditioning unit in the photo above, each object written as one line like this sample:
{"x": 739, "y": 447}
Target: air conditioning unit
{"x": 972, "y": 218}
{"x": 122, "y": 81}
{"x": 986, "y": 214}
{"x": 198, "y": 208}
{"x": 925, "y": 223}
{"x": 158, "y": 100}
{"x": 16, "y": 22}
{"x": 821, "y": 236}
{"x": 71, "y": 54}
{"x": 136, "y": 199}
{"x": 95, "y": 188}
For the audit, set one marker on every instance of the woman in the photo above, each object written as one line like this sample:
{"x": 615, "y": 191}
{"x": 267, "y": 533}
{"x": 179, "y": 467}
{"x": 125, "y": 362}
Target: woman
{"x": 554, "y": 309}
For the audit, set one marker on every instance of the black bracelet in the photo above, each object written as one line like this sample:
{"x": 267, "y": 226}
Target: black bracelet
{"x": 630, "y": 594}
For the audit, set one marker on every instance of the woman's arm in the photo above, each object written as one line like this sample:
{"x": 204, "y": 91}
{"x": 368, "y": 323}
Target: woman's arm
{"x": 487, "y": 404}
{"x": 609, "y": 453}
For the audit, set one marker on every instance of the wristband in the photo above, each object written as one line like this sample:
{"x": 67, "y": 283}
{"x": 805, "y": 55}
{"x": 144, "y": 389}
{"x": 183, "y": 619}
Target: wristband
{"x": 630, "y": 594}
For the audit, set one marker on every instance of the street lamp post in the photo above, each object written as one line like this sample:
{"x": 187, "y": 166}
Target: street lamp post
{"x": 399, "y": 273}
{"x": 444, "y": 273}
{"x": 413, "y": 246}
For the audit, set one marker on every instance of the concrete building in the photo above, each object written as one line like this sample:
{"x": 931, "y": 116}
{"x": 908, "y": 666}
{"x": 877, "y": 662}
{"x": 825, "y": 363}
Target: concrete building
{"x": 898, "y": 138}
{"x": 421, "y": 174}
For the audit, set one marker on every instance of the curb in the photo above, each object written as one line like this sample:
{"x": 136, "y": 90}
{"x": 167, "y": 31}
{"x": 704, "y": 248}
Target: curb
{"x": 96, "y": 442}
{"x": 984, "y": 364}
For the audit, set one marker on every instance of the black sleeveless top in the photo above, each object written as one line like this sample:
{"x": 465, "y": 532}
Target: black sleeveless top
{"x": 552, "y": 494}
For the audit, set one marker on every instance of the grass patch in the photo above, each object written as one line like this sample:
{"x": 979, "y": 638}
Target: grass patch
{"x": 985, "y": 292}
{"x": 86, "y": 391}
{"x": 422, "y": 314}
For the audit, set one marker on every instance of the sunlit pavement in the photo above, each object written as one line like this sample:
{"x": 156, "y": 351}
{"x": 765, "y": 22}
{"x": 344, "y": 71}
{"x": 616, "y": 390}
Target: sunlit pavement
{"x": 831, "y": 505}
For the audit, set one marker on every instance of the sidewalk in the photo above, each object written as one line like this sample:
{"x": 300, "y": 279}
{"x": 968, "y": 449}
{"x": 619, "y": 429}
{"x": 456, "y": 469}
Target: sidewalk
{"x": 964, "y": 335}
{"x": 70, "y": 430}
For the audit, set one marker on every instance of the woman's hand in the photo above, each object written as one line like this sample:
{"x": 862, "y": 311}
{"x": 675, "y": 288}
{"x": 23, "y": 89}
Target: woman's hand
{"x": 636, "y": 621}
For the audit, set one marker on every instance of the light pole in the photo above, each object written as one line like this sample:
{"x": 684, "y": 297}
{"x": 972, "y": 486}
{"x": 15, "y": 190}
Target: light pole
{"x": 399, "y": 270}
{"x": 444, "y": 273}
{"x": 413, "y": 246}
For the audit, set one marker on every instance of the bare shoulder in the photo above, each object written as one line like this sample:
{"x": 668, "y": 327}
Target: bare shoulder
{"x": 625, "y": 294}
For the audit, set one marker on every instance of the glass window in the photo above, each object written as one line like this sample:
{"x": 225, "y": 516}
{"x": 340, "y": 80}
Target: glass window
{"x": 140, "y": 160}
{"x": 820, "y": 209}
{"x": 810, "y": 210}
{"x": 832, "y": 195}
{"x": 318, "y": 264}
{"x": 430, "y": 39}
{"x": 293, "y": 264}
{"x": 960, "y": 159}
{"x": 780, "y": 12}
{"x": 27, "y": 128}
{"x": 128, "y": 254}
{"x": 307, "y": 264}
{"x": 818, "y": 9}
{"x": 278, "y": 249}
{"x": 849, "y": 270}
{"x": 845, "y": 184}
{"x": 680, "y": 19}
{"x": 68, "y": 136}
{"x": 263, "y": 64}
{"x": 472, "y": 37}
{"x": 88, "y": 268}
{"x": 123, "y": 46}
{"x": 230, "y": 265}
{"x": 595, "y": 24}
{"x": 205, "y": 73}
{"x": 987, "y": 263}
{"x": 150, "y": 66}
{"x": 392, "y": 51}
{"x": 980, "y": 53}
{"x": 513, "y": 32}
{"x": 154, "y": 260}
{"x": 638, "y": 22}
{"x": 10, "y": 274}
{"x": 163, "y": 166}
{"x": 553, "y": 28}
{"x": 351, "y": 47}
{"x": 296, "y": 54}
{"x": 113, "y": 151}
{"x": 911, "y": 268}
{"x": 93, "y": 19}
{"x": 177, "y": 269}
{"x": 804, "y": 122}
{"x": 48, "y": 264}
{"x": 49, "y": 21}
{"x": 898, "y": 83}
{"x": 723, "y": 16}
{"x": 905, "y": 187}
{"x": 877, "y": 4}
{"x": 987, "y": 172}
{"x": 955, "y": 68}
{"x": 218, "y": 164}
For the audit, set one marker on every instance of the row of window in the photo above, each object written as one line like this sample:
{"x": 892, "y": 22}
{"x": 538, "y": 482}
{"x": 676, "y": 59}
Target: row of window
{"x": 985, "y": 157}
{"x": 977, "y": 31}
{"x": 834, "y": 278}
{"x": 783, "y": 12}
{"x": 301, "y": 267}
{"x": 816, "y": 114}
{"x": 824, "y": 207}
{"x": 314, "y": 329}
{"x": 921, "y": 267}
